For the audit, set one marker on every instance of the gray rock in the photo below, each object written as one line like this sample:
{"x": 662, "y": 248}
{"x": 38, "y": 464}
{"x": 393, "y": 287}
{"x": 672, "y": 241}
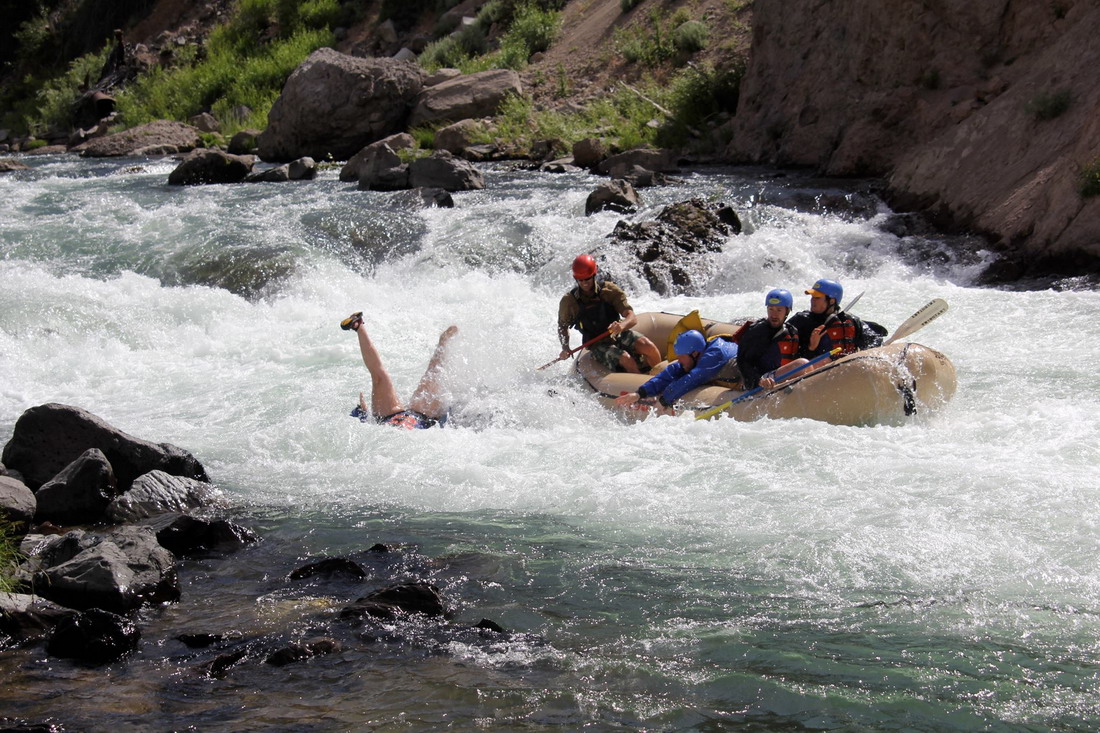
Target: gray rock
{"x": 588, "y": 153}
{"x": 334, "y": 104}
{"x": 17, "y": 502}
{"x": 24, "y": 616}
{"x": 616, "y": 195}
{"x": 182, "y": 534}
{"x": 49, "y": 437}
{"x": 677, "y": 251}
{"x": 158, "y": 493}
{"x": 352, "y": 169}
{"x": 210, "y": 166}
{"x": 243, "y": 142}
{"x": 383, "y": 170}
{"x": 94, "y": 637}
{"x": 205, "y": 122}
{"x": 80, "y": 492}
{"x": 419, "y": 198}
{"x": 443, "y": 170}
{"x": 7, "y": 165}
{"x": 119, "y": 572}
{"x": 155, "y": 138}
{"x": 298, "y": 170}
{"x": 617, "y": 166}
{"x": 457, "y": 137}
{"x": 463, "y": 97}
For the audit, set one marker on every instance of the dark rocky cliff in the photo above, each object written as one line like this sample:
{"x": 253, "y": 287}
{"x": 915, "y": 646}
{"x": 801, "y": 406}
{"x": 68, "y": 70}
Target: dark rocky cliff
{"x": 982, "y": 112}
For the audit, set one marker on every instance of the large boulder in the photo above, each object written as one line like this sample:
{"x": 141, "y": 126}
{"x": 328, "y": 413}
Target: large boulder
{"x": 158, "y": 492}
{"x": 334, "y": 104}
{"x": 118, "y": 572}
{"x": 443, "y": 170}
{"x": 158, "y": 138}
{"x": 49, "y": 437}
{"x": 17, "y": 502}
{"x": 210, "y": 166}
{"x": 467, "y": 96}
{"x": 352, "y": 169}
{"x": 80, "y": 492}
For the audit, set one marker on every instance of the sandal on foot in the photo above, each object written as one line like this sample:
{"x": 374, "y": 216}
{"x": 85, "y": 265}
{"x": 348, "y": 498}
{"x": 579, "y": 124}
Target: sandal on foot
{"x": 352, "y": 322}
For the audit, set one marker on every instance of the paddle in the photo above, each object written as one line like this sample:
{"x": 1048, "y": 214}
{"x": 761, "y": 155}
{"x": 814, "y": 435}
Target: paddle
{"x": 757, "y": 390}
{"x": 574, "y": 351}
{"x": 919, "y": 320}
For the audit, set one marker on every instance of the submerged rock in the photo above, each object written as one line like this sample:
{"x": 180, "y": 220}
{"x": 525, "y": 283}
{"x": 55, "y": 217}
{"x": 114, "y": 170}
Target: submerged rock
{"x": 94, "y": 636}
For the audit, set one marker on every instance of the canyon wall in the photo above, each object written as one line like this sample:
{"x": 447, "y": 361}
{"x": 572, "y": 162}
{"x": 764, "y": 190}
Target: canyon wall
{"x": 982, "y": 113}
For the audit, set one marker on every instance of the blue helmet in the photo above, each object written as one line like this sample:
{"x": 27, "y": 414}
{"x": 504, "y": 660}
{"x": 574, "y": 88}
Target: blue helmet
{"x": 828, "y": 288}
{"x": 689, "y": 342}
{"x": 779, "y": 296}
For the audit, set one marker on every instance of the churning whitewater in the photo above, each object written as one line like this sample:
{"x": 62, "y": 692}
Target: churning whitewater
{"x": 667, "y": 575}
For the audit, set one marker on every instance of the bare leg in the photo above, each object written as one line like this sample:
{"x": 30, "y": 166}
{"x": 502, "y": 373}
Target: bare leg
{"x": 627, "y": 363}
{"x": 429, "y": 398}
{"x": 383, "y": 397}
{"x": 648, "y": 349}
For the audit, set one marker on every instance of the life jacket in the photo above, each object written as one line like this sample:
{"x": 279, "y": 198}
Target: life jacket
{"x": 786, "y": 340}
{"x": 596, "y": 314}
{"x": 735, "y": 337}
{"x": 842, "y": 333}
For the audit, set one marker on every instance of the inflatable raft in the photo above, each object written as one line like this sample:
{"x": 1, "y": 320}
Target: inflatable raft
{"x": 887, "y": 385}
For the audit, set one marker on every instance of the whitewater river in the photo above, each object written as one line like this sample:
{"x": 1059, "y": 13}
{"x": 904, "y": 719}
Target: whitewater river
{"x": 664, "y": 576}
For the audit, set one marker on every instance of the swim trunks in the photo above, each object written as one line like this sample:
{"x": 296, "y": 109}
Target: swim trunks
{"x": 404, "y": 419}
{"x": 608, "y": 351}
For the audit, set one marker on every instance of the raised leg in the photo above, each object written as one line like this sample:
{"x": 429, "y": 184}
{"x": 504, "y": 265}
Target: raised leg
{"x": 383, "y": 397}
{"x": 429, "y": 398}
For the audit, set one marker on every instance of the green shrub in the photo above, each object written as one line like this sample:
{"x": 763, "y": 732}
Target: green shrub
{"x": 1048, "y": 105}
{"x": 627, "y": 5}
{"x": 444, "y": 53}
{"x": 52, "y": 106}
{"x": 645, "y": 44}
{"x": 534, "y": 28}
{"x": 690, "y": 37}
{"x": 1090, "y": 179}
{"x": 222, "y": 81}
{"x": 9, "y": 556}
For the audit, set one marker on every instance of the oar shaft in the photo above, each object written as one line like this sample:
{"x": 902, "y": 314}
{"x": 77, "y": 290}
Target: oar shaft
{"x": 585, "y": 345}
{"x": 757, "y": 390}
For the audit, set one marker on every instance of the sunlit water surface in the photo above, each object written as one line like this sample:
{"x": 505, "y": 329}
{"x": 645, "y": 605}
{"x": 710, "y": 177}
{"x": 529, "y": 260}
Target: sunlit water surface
{"x": 667, "y": 575}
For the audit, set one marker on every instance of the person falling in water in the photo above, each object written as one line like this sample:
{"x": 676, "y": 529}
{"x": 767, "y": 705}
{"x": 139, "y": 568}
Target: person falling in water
{"x": 428, "y": 405}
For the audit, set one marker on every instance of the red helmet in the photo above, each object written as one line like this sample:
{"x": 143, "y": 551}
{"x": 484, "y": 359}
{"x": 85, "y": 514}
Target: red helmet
{"x": 584, "y": 267}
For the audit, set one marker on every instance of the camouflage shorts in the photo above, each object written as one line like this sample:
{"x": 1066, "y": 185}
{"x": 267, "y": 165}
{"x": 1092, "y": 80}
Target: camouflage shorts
{"x": 608, "y": 351}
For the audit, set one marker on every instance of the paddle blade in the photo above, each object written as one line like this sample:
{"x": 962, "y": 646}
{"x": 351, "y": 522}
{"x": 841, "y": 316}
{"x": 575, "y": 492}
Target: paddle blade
{"x": 919, "y": 320}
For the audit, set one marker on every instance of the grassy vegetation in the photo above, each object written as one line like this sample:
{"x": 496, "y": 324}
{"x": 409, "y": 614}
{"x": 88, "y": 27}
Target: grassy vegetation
{"x": 238, "y": 69}
{"x": 1090, "y": 179}
{"x": 9, "y": 556}
{"x": 531, "y": 29}
{"x": 238, "y": 73}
